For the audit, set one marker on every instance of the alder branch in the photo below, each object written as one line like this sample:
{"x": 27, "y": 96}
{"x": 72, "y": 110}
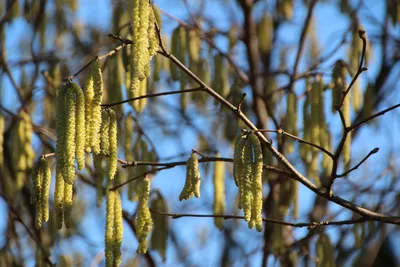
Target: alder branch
{"x": 358, "y": 124}
{"x": 361, "y": 69}
{"x": 280, "y": 157}
{"x": 373, "y": 151}
{"x": 154, "y": 95}
{"x": 309, "y": 225}
{"x": 300, "y": 140}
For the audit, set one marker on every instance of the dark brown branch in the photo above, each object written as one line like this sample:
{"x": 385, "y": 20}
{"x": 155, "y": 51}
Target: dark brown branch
{"x": 309, "y": 225}
{"x": 373, "y": 151}
{"x": 154, "y": 95}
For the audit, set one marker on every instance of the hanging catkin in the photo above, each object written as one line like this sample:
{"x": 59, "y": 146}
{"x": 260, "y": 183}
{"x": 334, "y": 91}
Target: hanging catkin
{"x": 247, "y": 170}
{"x": 113, "y": 145}
{"x": 193, "y": 181}
{"x": 69, "y": 167}
{"x": 144, "y": 221}
{"x": 59, "y": 199}
{"x": 159, "y": 236}
{"x": 109, "y": 232}
{"x": 219, "y": 192}
{"x": 93, "y": 99}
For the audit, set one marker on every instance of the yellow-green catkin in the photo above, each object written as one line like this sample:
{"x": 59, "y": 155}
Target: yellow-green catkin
{"x": 159, "y": 236}
{"x": 37, "y": 189}
{"x": 118, "y": 229}
{"x": 315, "y": 110}
{"x": 104, "y": 133}
{"x": 221, "y": 80}
{"x": 265, "y": 31}
{"x": 113, "y": 145}
{"x": 194, "y": 47}
{"x": 256, "y": 211}
{"x": 238, "y": 168}
{"x": 93, "y": 99}
{"x": 291, "y": 118}
{"x": 67, "y": 209}
{"x": 80, "y": 125}
{"x": 247, "y": 182}
{"x": 70, "y": 131}
{"x": 45, "y": 193}
{"x": 186, "y": 191}
{"x": 347, "y": 143}
{"x": 219, "y": 192}
{"x": 175, "y": 51}
{"x": 114, "y": 81}
{"x": 109, "y": 231}
{"x": 339, "y": 83}
{"x": 356, "y": 95}
{"x": 99, "y": 174}
{"x": 153, "y": 41}
{"x": 144, "y": 221}
{"x": 59, "y": 199}
{"x": 369, "y": 98}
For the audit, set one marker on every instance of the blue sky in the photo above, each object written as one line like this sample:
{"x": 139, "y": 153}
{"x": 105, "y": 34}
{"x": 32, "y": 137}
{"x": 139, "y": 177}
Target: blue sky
{"x": 329, "y": 24}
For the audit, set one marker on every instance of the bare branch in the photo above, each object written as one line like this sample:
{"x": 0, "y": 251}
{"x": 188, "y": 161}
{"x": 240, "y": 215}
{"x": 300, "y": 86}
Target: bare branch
{"x": 373, "y": 151}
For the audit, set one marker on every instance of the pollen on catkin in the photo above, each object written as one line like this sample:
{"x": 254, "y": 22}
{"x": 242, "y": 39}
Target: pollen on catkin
{"x": 219, "y": 192}
{"x": 46, "y": 180}
{"x": 113, "y": 145}
{"x": 70, "y": 131}
{"x": 187, "y": 188}
{"x": 104, "y": 133}
{"x": 144, "y": 221}
{"x": 80, "y": 132}
{"x": 68, "y": 196}
{"x": 118, "y": 229}
{"x": 193, "y": 180}
{"x": 109, "y": 231}
{"x": 59, "y": 199}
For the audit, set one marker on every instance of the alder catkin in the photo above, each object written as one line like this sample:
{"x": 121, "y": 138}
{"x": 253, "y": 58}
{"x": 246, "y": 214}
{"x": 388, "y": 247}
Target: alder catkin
{"x": 247, "y": 180}
{"x": 291, "y": 118}
{"x": 118, "y": 229}
{"x": 159, "y": 236}
{"x": 257, "y": 181}
{"x": 60, "y": 127}
{"x": 219, "y": 192}
{"x": 196, "y": 180}
{"x": 59, "y": 199}
{"x": 144, "y": 221}
{"x": 187, "y": 188}
{"x": 315, "y": 109}
{"x": 45, "y": 193}
{"x": 80, "y": 126}
{"x": 347, "y": 143}
{"x": 36, "y": 183}
{"x": 68, "y": 195}
{"x": 69, "y": 167}
{"x": 104, "y": 133}
{"x": 109, "y": 231}
{"x": 265, "y": 33}
{"x": 113, "y": 145}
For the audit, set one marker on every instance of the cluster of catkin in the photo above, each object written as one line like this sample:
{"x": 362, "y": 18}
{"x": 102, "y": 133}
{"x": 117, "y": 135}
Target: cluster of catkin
{"x": 193, "y": 181}
{"x": 41, "y": 179}
{"x": 144, "y": 47}
{"x": 70, "y": 126}
{"x": 114, "y": 229}
{"x": 247, "y": 173}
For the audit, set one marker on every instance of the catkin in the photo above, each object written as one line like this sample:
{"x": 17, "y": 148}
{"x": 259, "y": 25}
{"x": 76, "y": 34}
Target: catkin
{"x": 315, "y": 109}
{"x": 219, "y": 192}
{"x": 109, "y": 232}
{"x": 144, "y": 221}
{"x": 118, "y": 229}
{"x": 159, "y": 236}
{"x": 347, "y": 143}
{"x": 265, "y": 33}
{"x": 113, "y": 145}
{"x": 59, "y": 199}
{"x": 80, "y": 126}
{"x": 193, "y": 180}
{"x": 175, "y": 51}
{"x": 257, "y": 181}
{"x": 221, "y": 80}
{"x": 247, "y": 179}
{"x": 186, "y": 191}
{"x": 93, "y": 99}
{"x": 104, "y": 133}
{"x": 68, "y": 195}
{"x": 291, "y": 118}
{"x": 46, "y": 180}
{"x": 69, "y": 168}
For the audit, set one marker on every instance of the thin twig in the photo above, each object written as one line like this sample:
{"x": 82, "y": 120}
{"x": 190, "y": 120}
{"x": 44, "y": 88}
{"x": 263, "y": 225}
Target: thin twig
{"x": 373, "y": 151}
{"x": 154, "y": 95}
{"x": 309, "y": 225}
